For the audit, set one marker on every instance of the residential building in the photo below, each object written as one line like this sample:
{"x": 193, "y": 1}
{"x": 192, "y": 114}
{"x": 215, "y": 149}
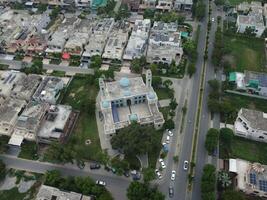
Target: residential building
{"x": 251, "y": 82}
{"x": 83, "y": 3}
{"x": 28, "y": 123}
{"x": 138, "y": 41}
{"x": 129, "y": 100}
{"x": 164, "y": 5}
{"x": 251, "y": 178}
{"x": 117, "y": 41}
{"x": 49, "y": 90}
{"x": 25, "y": 87}
{"x": 9, "y": 80}
{"x": 133, "y": 5}
{"x": 98, "y": 3}
{"x": 58, "y": 40}
{"x": 52, "y": 193}
{"x": 10, "y": 110}
{"x": 98, "y": 39}
{"x": 251, "y": 124}
{"x": 164, "y": 44}
{"x": 58, "y": 124}
{"x": 251, "y": 16}
{"x": 183, "y": 5}
{"x": 147, "y": 4}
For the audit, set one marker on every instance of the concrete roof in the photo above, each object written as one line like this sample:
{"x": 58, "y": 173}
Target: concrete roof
{"x": 8, "y": 79}
{"x": 10, "y": 108}
{"x": 256, "y": 119}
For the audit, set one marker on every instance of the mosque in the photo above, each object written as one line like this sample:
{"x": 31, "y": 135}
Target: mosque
{"x": 129, "y": 100}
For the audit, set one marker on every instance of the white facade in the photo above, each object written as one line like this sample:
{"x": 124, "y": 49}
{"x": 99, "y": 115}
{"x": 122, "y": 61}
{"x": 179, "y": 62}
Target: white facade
{"x": 251, "y": 124}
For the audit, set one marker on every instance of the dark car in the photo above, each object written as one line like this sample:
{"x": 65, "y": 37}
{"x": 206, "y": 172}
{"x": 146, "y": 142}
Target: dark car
{"x": 126, "y": 174}
{"x": 95, "y": 166}
{"x": 171, "y": 191}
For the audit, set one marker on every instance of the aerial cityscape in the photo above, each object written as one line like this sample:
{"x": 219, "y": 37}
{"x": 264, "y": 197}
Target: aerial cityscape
{"x": 133, "y": 99}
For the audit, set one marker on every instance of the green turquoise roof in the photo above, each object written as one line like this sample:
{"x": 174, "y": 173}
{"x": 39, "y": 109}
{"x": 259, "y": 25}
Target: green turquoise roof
{"x": 133, "y": 117}
{"x": 232, "y": 76}
{"x": 98, "y": 3}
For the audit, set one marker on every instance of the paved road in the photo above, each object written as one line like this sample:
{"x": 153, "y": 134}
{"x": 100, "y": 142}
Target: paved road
{"x": 201, "y": 153}
{"x": 17, "y": 65}
{"x": 115, "y": 184}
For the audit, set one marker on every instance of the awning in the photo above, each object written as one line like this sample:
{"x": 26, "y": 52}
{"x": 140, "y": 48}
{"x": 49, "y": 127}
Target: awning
{"x": 66, "y": 56}
{"x": 16, "y": 140}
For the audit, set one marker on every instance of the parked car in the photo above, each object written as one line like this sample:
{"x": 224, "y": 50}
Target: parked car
{"x": 185, "y": 165}
{"x": 126, "y": 173}
{"x": 162, "y": 163}
{"x": 214, "y": 153}
{"x": 95, "y": 166}
{"x": 170, "y": 133}
{"x": 136, "y": 175}
{"x": 158, "y": 174}
{"x": 102, "y": 183}
{"x": 168, "y": 139}
{"x": 212, "y": 19}
{"x": 171, "y": 191}
{"x": 165, "y": 147}
{"x": 173, "y": 175}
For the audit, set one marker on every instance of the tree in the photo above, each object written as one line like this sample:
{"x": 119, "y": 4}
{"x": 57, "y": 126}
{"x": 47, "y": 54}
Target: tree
{"x": 137, "y": 191}
{"x": 212, "y": 139}
{"x": 190, "y": 49}
{"x": 214, "y": 84}
{"x": 224, "y": 179}
{"x": 214, "y": 105}
{"x": 42, "y": 7}
{"x": 138, "y": 64}
{"x": 2, "y": 170}
{"x": 156, "y": 81}
{"x": 96, "y": 61}
{"x": 133, "y": 140}
{"x": 226, "y": 137}
{"x": 208, "y": 181}
{"x": 249, "y": 31}
{"x": 219, "y": 2}
{"x": 169, "y": 124}
{"x": 167, "y": 83}
{"x": 149, "y": 174}
{"x": 233, "y": 195}
{"x": 53, "y": 178}
{"x": 123, "y": 12}
{"x": 200, "y": 10}
{"x": 149, "y": 14}
{"x": 175, "y": 159}
{"x": 154, "y": 68}
{"x": 191, "y": 69}
{"x": 173, "y": 104}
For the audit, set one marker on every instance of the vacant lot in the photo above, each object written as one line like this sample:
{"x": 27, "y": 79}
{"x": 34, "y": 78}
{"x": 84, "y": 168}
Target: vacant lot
{"x": 249, "y": 150}
{"x": 78, "y": 95}
{"x": 245, "y": 53}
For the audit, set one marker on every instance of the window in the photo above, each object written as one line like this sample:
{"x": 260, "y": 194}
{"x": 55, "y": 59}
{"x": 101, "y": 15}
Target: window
{"x": 261, "y": 137}
{"x": 264, "y": 133}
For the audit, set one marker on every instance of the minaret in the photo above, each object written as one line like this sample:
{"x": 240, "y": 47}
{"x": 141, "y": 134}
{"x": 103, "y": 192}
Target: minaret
{"x": 102, "y": 87}
{"x": 148, "y": 78}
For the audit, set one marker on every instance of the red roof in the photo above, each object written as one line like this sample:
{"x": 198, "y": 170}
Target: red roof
{"x": 66, "y": 56}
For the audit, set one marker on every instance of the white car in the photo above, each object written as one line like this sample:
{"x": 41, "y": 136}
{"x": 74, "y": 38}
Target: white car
{"x": 164, "y": 143}
{"x": 173, "y": 175}
{"x": 168, "y": 139}
{"x": 158, "y": 174}
{"x": 185, "y": 165}
{"x": 162, "y": 163}
{"x": 170, "y": 133}
{"x": 102, "y": 183}
{"x": 212, "y": 19}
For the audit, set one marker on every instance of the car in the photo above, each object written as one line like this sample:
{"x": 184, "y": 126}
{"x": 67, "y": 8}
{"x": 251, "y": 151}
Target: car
{"x": 171, "y": 191}
{"x": 102, "y": 183}
{"x": 185, "y": 165}
{"x": 173, "y": 175}
{"x": 170, "y": 133}
{"x": 162, "y": 163}
{"x": 164, "y": 144}
{"x": 212, "y": 19}
{"x": 168, "y": 139}
{"x": 158, "y": 174}
{"x": 126, "y": 173}
{"x": 95, "y": 166}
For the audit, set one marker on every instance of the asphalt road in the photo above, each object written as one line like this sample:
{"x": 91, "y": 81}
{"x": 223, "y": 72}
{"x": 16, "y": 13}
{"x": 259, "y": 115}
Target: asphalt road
{"x": 201, "y": 153}
{"x": 115, "y": 184}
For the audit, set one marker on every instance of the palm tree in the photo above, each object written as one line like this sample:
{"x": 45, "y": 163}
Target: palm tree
{"x": 224, "y": 179}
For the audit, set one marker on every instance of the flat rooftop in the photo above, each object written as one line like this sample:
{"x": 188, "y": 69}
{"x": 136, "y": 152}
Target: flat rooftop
{"x": 8, "y": 79}
{"x": 10, "y": 109}
{"x": 257, "y": 119}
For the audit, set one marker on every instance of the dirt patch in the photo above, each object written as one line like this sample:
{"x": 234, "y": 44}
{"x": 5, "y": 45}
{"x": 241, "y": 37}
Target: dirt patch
{"x": 72, "y": 95}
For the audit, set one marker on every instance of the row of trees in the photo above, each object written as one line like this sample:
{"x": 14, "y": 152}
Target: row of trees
{"x": 190, "y": 49}
{"x": 139, "y": 191}
{"x": 208, "y": 181}
{"x": 225, "y": 136}
{"x": 2, "y": 170}
{"x": 84, "y": 185}
{"x": 217, "y": 53}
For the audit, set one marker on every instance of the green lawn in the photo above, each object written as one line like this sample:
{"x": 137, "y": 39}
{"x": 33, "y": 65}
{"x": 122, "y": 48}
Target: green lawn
{"x": 245, "y": 53}
{"x": 12, "y": 194}
{"x": 58, "y": 73}
{"x": 249, "y": 150}
{"x": 28, "y": 151}
{"x": 163, "y": 93}
{"x": 78, "y": 95}
{"x": 236, "y": 2}
{"x": 238, "y": 101}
